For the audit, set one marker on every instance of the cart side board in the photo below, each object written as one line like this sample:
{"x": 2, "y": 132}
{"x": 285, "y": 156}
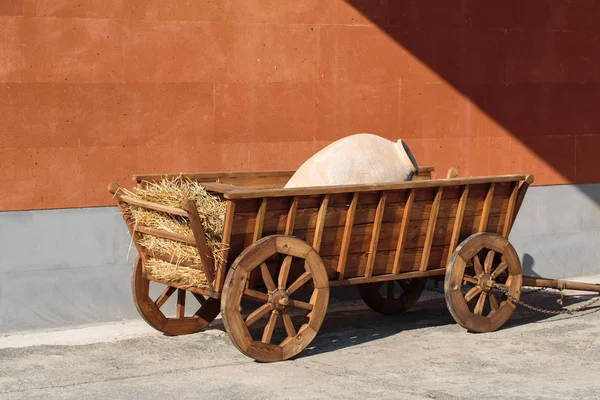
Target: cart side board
{"x": 367, "y": 233}
{"x": 363, "y": 233}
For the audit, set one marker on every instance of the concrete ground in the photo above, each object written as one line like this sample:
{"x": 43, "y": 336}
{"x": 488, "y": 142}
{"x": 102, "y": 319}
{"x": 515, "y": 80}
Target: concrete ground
{"x": 422, "y": 354}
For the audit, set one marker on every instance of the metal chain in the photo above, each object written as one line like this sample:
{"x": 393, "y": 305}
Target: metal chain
{"x": 548, "y": 311}
{"x": 533, "y": 308}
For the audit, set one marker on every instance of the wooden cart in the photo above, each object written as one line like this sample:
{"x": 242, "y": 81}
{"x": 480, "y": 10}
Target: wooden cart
{"x": 286, "y": 247}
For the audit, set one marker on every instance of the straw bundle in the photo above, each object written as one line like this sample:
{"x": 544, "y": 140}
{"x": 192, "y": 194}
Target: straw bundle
{"x": 173, "y": 192}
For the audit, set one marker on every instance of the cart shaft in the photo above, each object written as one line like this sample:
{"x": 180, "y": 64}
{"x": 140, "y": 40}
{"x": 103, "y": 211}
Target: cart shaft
{"x": 560, "y": 284}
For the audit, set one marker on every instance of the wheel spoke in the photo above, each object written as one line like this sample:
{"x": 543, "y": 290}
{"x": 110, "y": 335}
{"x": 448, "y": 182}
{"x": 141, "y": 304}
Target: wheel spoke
{"x": 289, "y": 326}
{"x": 200, "y": 298}
{"x": 284, "y": 272}
{"x": 493, "y": 301}
{"x": 300, "y": 304}
{"x": 258, "y": 314}
{"x": 390, "y": 290}
{"x": 162, "y": 299}
{"x": 305, "y": 277}
{"x": 470, "y": 279}
{"x": 480, "y": 303}
{"x": 472, "y": 293}
{"x": 477, "y": 265}
{"x": 489, "y": 260}
{"x": 267, "y": 278}
{"x": 501, "y": 268}
{"x": 270, "y": 327}
{"x": 256, "y": 295}
{"x": 180, "y": 303}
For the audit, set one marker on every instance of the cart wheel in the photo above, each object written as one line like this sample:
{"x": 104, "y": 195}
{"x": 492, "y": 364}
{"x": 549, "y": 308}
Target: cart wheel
{"x": 475, "y": 284}
{"x": 392, "y": 297}
{"x": 151, "y": 312}
{"x": 280, "y": 301}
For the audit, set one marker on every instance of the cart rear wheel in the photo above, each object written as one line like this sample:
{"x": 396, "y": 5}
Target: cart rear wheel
{"x": 152, "y": 310}
{"x": 478, "y": 265}
{"x": 392, "y": 297}
{"x": 280, "y": 338}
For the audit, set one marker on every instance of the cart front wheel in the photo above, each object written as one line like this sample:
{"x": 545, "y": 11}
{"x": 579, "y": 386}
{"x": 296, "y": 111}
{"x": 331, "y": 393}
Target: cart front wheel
{"x": 153, "y": 311}
{"x": 287, "y": 295}
{"x": 392, "y": 297}
{"x": 481, "y": 270}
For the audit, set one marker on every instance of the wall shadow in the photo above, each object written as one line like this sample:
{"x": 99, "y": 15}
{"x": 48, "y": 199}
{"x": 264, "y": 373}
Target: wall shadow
{"x": 530, "y": 66}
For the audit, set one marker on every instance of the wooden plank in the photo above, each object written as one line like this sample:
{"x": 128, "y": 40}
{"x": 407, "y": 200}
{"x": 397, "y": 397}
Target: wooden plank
{"x": 320, "y": 223}
{"x": 487, "y": 206}
{"x": 291, "y": 217}
{"x": 375, "y": 235}
{"x": 166, "y": 235}
{"x": 510, "y": 211}
{"x": 241, "y": 177}
{"x": 321, "y": 190}
{"x": 275, "y": 220}
{"x": 227, "y": 227}
{"x": 153, "y": 206}
{"x": 521, "y": 196}
{"x": 162, "y": 299}
{"x": 113, "y": 188}
{"x": 180, "y": 304}
{"x": 204, "y": 292}
{"x": 260, "y": 219}
{"x": 430, "y": 229}
{"x": 403, "y": 232}
{"x": 171, "y": 259}
{"x": 390, "y": 277}
{"x": 458, "y": 220}
{"x": 208, "y": 264}
{"x": 347, "y": 234}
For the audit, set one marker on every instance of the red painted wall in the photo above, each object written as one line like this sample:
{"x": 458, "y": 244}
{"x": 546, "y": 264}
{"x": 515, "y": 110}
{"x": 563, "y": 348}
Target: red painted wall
{"x": 94, "y": 91}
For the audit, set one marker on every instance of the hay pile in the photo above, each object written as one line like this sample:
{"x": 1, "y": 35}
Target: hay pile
{"x": 173, "y": 192}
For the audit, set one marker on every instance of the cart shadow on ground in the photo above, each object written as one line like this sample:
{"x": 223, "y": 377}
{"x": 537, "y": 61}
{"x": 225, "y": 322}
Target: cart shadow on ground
{"x": 349, "y": 322}
{"x": 343, "y": 329}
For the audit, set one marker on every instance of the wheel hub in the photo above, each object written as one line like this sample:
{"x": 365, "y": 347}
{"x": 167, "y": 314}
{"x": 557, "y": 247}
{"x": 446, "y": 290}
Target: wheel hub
{"x": 279, "y": 299}
{"x": 486, "y": 282}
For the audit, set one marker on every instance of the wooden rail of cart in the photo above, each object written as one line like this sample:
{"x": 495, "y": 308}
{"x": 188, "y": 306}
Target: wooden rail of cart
{"x": 285, "y": 247}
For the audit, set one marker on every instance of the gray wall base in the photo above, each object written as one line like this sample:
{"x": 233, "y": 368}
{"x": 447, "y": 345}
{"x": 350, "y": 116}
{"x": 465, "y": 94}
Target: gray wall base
{"x": 69, "y": 267}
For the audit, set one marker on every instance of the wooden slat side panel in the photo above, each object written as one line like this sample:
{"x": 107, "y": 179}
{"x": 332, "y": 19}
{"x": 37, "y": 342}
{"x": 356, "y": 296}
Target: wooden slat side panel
{"x": 275, "y": 220}
{"x": 359, "y": 240}
{"x": 384, "y": 260}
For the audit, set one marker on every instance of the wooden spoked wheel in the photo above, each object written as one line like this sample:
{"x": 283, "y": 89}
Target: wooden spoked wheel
{"x": 279, "y": 303}
{"x": 152, "y": 310}
{"x": 392, "y": 297}
{"x": 478, "y": 265}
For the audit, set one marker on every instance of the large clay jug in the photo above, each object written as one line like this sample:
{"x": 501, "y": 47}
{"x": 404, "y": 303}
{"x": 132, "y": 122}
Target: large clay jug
{"x": 356, "y": 159}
